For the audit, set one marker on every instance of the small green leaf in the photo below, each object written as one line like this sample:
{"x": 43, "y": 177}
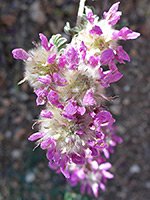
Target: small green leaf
{"x": 54, "y": 38}
{"x": 68, "y": 29}
{"x": 61, "y": 42}
{"x": 58, "y": 41}
{"x": 72, "y": 31}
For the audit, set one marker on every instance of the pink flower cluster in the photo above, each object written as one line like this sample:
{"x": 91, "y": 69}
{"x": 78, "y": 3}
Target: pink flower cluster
{"x": 75, "y": 127}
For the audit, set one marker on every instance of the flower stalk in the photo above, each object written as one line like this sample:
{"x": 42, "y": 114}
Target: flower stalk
{"x": 80, "y": 11}
{"x": 75, "y": 127}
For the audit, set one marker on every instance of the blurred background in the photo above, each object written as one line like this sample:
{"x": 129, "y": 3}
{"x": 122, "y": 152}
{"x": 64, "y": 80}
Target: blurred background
{"x": 24, "y": 173}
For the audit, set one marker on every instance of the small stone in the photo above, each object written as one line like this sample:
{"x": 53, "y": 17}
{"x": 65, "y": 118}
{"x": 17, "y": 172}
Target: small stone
{"x": 116, "y": 109}
{"x": 147, "y": 184}
{"x": 8, "y": 134}
{"x": 30, "y": 177}
{"x": 134, "y": 169}
{"x": 59, "y": 2}
{"x": 121, "y": 129}
{"x": 2, "y": 111}
{"x": 8, "y": 19}
{"x": 24, "y": 96}
{"x": 36, "y": 13}
{"x": 16, "y": 154}
{"x": 126, "y": 101}
{"x": 20, "y": 133}
{"x": 126, "y": 88}
{"x": 6, "y": 102}
{"x": 1, "y": 137}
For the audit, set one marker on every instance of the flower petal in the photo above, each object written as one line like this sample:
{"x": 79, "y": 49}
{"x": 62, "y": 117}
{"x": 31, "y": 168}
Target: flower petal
{"x": 51, "y": 58}
{"x": 46, "y": 143}
{"x": 107, "y": 56}
{"x": 54, "y": 99}
{"x": 44, "y": 42}
{"x": 88, "y": 98}
{"x": 46, "y": 114}
{"x": 113, "y": 15}
{"x": 59, "y": 80}
{"x": 36, "y": 136}
{"x": 20, "y": 54}
{"x": 45, "y": 79}
{"x": 96, "y": 30}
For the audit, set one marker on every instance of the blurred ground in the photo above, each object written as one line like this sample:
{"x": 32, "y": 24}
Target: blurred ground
{"x": 24, "y": 174}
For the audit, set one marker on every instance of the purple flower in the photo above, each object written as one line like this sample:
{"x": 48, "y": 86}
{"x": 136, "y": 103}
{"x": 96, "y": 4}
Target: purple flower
{"x": 54, "y": 99}
{"x": 113, "y": 15}
{"x": 20, "y": 54}
{"x": 64, "y": 167}
{"x": 75, "y": 176}
{"x": 103, "y": 118}
{"x": 95, "y": 187}
{"x": 58, "y": 161}
{"x": 82, "y": 50}
{"x": 107, "y": 175}
{"x": 80, "y": 173}
{"x": 107, "y": 56}
{"x": 44, "y": 42}
{"x": 112, "y": 66}
{"x": 53, "y": 166}
{"x": 92, "y": 174}
{"x": 111, "y": 138}
{"x": 67, "y": 115}
{"x": 72, "y": 57}
{"x": 106, "y": 153}
{"x": 121, "y": 55}
{"x": 116, "y": 138}
{"x": 62, "y": 61}
{"x": 46, "y": 143}
{"x": 46, "y": 114}
{"x": 125, "y": 34}
{"x": 93, "y": 60}
{"x": 81, "y": 110}
{"x": 96, "y": 30}
{"x": 36, "y": 136}
{"x": 90, "y": 17}
{"x": 59, "y": 81}
{"x": 94, "y": 152}
{"x": 51, "y": 151}
{"x": 45, "y": 79}
{"x": 51, "y": 58}
{"x": 70, "y": 110}
{"x": 80, "y": 132}
{"x": 98, "y": 144}
{"x": 78, "y": 159}
{"x": 105, "y": 166}
{"x": 88, "y": 98}
{"x": 75, "y": 127}
{"x": 102, "y": 186}
{"x": 41, "y": 96}
{"x": 108, "y": 77}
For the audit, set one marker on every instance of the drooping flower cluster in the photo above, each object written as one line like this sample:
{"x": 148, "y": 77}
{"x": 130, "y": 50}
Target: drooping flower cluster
{"x": 75, "y": 127}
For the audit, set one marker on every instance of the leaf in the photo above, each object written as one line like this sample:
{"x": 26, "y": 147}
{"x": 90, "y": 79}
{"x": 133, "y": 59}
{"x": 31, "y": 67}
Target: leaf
{"x": 61, "y": 42}
{"x": 58, "y": 41}
{"x": 90, "y": 8}
{"x": 72, "y": 31}
{"x": 54, "y": 38}
{"x": 68, "y": 29}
